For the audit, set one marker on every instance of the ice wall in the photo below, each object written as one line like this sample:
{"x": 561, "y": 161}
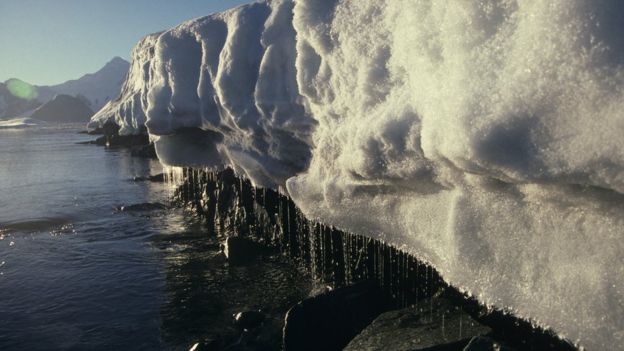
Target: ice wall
{"x": 221, "y": 90}
{"x": 481, "y": 136}
{"x": 128, "y": 110}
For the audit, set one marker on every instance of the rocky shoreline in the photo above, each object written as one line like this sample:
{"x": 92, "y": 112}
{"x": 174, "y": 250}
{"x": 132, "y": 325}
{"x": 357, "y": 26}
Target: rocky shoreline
{"x": 138, "y": 144}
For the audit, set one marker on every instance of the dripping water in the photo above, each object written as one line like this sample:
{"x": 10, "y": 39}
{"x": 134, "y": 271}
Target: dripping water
{"x": 232, "y": 206}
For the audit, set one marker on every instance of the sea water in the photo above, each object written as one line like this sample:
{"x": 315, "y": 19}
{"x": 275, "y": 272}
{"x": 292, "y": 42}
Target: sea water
{"x": 75, "y": 273}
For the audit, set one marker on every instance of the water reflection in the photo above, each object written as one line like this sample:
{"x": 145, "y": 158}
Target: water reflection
{"x": 203, "y": 292}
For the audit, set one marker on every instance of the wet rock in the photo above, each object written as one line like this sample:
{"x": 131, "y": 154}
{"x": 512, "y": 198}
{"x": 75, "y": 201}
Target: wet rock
{"x": 157, "y": 178}
{"x": 140, "y": 179}
{"x": 241, "y": 251}
{"x": 320, "y": 289}
{"x": 101, "y": 141}
{"x": 484, "y": 343}
{"x": 145, "y": 151}
{"x": 329, "y": 320}
{"x": 109, "y": 128}
{"x": 119, "y": 141}
{"x": 248, "y": 320}
{"x": 143, "y": 207}
{"x": 433, "y": 324}
{"x": 127, "y": 140}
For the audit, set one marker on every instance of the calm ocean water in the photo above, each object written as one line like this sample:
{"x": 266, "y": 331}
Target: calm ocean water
{"x": 75, "y": 274}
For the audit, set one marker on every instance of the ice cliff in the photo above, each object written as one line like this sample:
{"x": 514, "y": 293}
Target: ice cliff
{"x": 484, "y": 137}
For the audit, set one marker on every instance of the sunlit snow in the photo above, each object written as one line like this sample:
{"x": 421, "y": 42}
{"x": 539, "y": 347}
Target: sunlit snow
{"x": 484, "y": 137}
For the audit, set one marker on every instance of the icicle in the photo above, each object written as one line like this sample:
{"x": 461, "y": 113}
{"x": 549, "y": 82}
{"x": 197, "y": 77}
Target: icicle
{"x": 417, "y": 280}
{"x": 460, "y": 322}
{"x": 430, "y": 309}
{"x": 312, "y": 249}
{"x": 328, "y": 254}
{"x": 443, "y": 332}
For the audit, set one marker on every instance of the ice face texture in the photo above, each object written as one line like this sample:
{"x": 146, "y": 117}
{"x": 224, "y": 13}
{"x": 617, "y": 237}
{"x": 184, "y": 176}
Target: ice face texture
{"x": 221, "y": 90}
{"x": 484, "y": 137}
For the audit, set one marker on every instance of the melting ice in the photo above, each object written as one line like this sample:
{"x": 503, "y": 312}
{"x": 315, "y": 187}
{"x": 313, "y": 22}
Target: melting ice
{"x": 484, "y": 137}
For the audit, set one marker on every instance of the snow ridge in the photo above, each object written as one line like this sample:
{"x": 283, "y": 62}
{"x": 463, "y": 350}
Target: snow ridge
{"x": 483, "y": 136}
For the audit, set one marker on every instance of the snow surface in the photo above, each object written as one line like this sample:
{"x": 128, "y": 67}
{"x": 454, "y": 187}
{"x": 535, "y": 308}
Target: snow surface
{"x": 484, "y": 137}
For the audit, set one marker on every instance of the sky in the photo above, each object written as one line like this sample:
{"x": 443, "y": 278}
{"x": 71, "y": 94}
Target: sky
{"x": 51, "y": 41}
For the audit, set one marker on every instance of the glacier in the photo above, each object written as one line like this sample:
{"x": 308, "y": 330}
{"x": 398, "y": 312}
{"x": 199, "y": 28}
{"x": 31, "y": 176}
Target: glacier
{"x": 483, "y": 137}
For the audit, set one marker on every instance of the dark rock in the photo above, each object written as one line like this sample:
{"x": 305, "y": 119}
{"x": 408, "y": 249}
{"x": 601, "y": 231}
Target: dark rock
{"x": 484, "y": 343}
{"x": 144, "y": 207}
{"x": 329, "y": 320}
{"x": 248, "y": 320}
{"x": 109, "y": 128}
{"x": 146, "y": 151}
{"x": 127, "y": 140}
{"x": 140, "y": 179}
{"x": 320, "y": 289}
{"x": 241, "y": 251}
{"x": 102, "y": 141}
{"x": 433, "y": 324}
{"x": 157, "y": 178}
{"x": 111, "y": 139}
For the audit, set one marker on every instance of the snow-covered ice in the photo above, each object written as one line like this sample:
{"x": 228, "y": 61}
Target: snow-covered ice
{"x": 484, "y": 137}
{"x": 221, "y": 90}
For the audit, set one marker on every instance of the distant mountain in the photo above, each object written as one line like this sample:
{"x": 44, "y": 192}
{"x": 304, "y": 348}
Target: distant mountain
{"x": 99, "y": 87}
{"x": 12, "y": 105}
{"x": 20, "y": 99}
{"x": 64, "y": 109}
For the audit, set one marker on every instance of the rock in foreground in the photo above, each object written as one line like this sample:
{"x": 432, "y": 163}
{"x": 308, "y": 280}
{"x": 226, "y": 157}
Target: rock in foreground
{"x": 329, "y": 320}
{"x": 431, "y": 325}
{"x": 249, "y": 319}
{"x": 241, "y": 251}
{"x": 483, "y": 343}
